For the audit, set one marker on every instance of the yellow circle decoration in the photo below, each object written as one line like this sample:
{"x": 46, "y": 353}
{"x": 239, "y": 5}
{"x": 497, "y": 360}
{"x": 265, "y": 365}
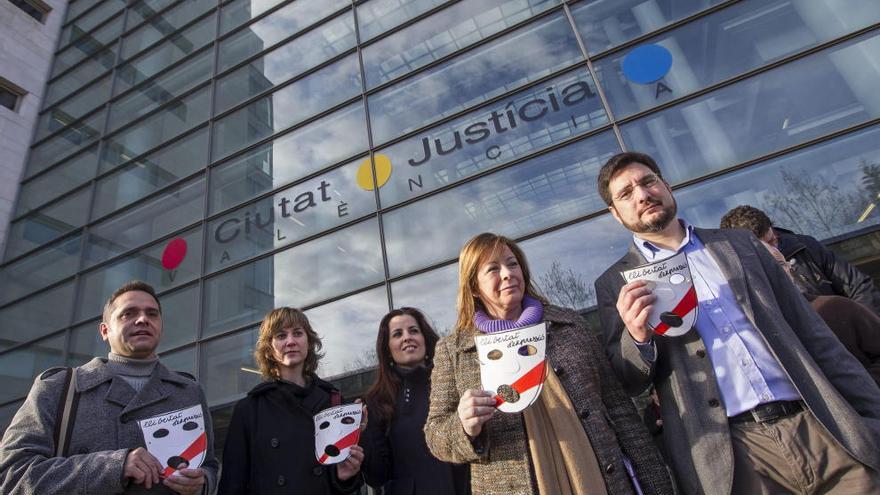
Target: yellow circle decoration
{"x": 365, "y": 174}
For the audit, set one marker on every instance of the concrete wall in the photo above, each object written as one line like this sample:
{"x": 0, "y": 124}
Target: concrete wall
{"x": 26, "y": 49}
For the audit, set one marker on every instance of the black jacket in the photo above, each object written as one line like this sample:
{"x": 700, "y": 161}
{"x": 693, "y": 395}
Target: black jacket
{"x": 817, "y": 270}
{"x": 397, "y": 455}
{"x": 270, "y": 446}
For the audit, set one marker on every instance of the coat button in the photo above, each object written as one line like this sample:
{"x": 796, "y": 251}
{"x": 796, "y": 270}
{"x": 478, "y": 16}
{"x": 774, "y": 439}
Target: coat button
{"x": 714, "y": 403}
{"x": 701, "y": 353}
{"x": 585, "y": 413}
{"x": 274, "y": 443}
{"x": 317, "y": 470}
{"x": 609, "y": 468}
{"x": 559, "y": 370}
{"x": 281, "y": 481}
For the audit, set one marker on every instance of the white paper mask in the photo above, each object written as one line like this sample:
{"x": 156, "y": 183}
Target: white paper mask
{"x": 336, "y": 430}
{"x": 675, "y": 310}
{"x": 176, "y": 437}
{"x": 512, "y": 365}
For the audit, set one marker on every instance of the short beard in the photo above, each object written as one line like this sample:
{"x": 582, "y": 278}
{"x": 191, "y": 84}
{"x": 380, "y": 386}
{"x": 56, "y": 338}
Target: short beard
{"x": 657, "y": 225}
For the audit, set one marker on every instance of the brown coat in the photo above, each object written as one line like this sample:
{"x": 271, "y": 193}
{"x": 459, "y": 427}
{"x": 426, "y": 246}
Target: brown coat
{"x": 499, "y": 456}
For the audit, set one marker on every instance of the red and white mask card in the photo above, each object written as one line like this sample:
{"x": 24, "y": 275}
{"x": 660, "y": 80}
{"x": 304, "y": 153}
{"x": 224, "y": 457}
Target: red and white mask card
{"x": 512, "y": 365}
{"x": 176, "y": 437}
{"x": 675, "y": 309}
{"x": 336, "y": 430}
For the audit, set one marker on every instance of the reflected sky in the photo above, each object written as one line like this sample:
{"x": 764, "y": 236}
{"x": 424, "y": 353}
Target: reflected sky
{"x": 40, "y": 268}
{"x": 526, "y": 122}
{"x": 240, "y": 11}
{"x": 378, "y": 16}
{"x": 763, "y": 114}
{"x": 433, "y": 293}
{"x": 537, "y": 194}
{"x": 35, "y": 316}
{"x": 503, "y": 65}
{"x": 289, "y": 157}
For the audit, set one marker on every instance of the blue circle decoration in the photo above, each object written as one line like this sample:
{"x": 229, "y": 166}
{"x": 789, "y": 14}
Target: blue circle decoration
{"x": 647, "y": 64}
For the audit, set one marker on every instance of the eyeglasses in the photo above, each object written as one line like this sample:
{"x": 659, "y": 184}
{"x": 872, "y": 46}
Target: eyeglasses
{"x": 647, "y": 182}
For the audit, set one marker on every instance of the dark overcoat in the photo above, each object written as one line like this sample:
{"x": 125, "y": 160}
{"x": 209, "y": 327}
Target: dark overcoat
{"x": 270, "y": 445}
{"x": 397, "y": 457}
{"x": 834, "y": 386}
{"x": 499, "y": 456}
{"x": 105, "y": 429}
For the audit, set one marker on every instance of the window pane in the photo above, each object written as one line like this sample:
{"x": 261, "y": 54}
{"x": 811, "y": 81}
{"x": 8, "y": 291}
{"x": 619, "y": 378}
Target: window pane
{"x": 73, "y": 138}
{"x": 544, "y": 191}
{"x": 40, "y": 268}
{"x": 764, "y": 113}
{"x": 149, "y": 220}
{"x": 77, "y": 7}
{"x": 151, "y": 173}
{"x": 180, "y": 318}
{"x": 84, "y": 72}
{"x": 348, "y": 331}
{"x": 165, "y": 54}
{"x": 86, "y": 23}
{"x": 824, "y": 191}
{"x": 297, "y": 56}
{"x": 172, "y": 120}
{"x": 378, "y": 16}
{"x": 228, "y": 368}
{"x": 86, "y": 344}
{"x": 48, "y": 224}
{"x": 19, "y": 368}
{"x": 99, "y": 44}
{"x": 305, "y": 274}
{"x": 144, "y": 9}
{"x": 488, "y": 137}
{"x": 445, "y": 32}
{"x": 35, "y": 316}
{"x": 287, "y": 106}
{"x": 74, "y": 108}
{"x": 745, "y": 36}
{"x": 289, "y": 216}
{"x": 433, "y": 293}
{"x": 161, "y": 90}
{"x": 69, "y": 175}
{"x": 606, "y": 24}
{"x": 156, "y": 265}
{"x": 182, "y": 360}
{"x": 238, "y": 12}
{"x": 273, "y": 28}
{"x": 164, "y": 25}
{"x": 290, "y": 157}
{"x": 503, "y": 65}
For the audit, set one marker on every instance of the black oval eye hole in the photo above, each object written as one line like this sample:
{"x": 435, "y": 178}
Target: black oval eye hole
{"x": 347, "y": 420}
{"x": 495, "y": 355}
{"x": 175, "y": 461}
{"x": 324, "y": 425}
{"x": 331, "y": 450}
{"x": 160, "y": 433}
{"x": 527, "y": 350}
{"x": 190, "y": 425}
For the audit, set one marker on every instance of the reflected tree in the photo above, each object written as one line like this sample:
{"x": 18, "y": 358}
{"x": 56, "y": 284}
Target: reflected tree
{"x": 812, "y": 206}
{"x": 871, "y": 179}
{"x": 364, "y": 360}
{"x": 564, "y": 287}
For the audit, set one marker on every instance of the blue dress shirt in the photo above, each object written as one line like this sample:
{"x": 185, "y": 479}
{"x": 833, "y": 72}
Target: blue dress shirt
{"x": 747, "y": 372}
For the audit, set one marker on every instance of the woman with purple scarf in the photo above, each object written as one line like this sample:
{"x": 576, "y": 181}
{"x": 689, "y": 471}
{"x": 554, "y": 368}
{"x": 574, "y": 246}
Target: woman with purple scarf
{"x": 582, "y": 436}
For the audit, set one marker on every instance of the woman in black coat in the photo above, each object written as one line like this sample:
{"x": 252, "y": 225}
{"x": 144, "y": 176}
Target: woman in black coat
{"x": 270, "y": 446}
{"x": 397, "y": 456}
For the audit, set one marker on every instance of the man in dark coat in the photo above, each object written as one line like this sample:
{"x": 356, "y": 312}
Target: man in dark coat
{"x": 815, "y": 267}
{"x": 106, "y": 451}
{"x": 759, "y": 396}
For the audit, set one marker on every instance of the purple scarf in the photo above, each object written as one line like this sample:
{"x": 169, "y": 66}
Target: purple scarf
{"x": 533, "y": 312}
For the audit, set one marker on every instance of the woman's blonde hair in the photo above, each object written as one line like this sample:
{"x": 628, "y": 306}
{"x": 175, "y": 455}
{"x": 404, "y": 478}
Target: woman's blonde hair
{"x": 276, "y": 320}
{"x": 472, "y": 255}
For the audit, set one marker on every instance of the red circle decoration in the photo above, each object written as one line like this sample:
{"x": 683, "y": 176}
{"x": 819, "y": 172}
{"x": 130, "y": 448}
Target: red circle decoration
{"x": 174, "y": 253}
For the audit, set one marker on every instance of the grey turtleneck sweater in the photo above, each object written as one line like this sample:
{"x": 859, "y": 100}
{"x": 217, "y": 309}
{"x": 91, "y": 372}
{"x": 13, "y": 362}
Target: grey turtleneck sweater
{"x": 136, "y": 372}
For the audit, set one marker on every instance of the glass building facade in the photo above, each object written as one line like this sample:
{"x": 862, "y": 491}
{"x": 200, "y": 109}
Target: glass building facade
{"x": 335, "y": 155}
